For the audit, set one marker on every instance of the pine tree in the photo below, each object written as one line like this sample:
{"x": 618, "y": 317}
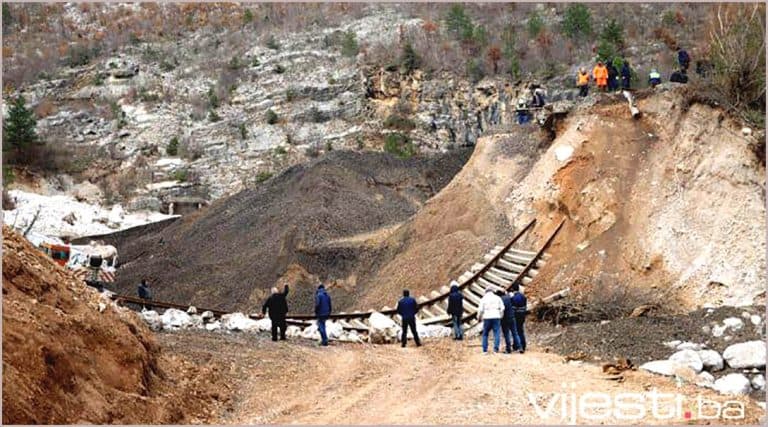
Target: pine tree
{"x": 409, "y": 61}
{"x": 19, "y": 127}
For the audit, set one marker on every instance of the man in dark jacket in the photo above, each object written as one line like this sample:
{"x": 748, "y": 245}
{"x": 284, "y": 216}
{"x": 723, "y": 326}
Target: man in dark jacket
{"x": 322, "y": 311}
{"x": 456, "y": 310}
{"x": 144, "y": 292}
{"x": 626, "y": 75}
{"x": 507, "y": 322}
{"x": 278, "y": 308}
{"x": 683, "y": 59}
{"x": 613, "y": 75}
{"x": 520, "y": 305}
{"x": 407, "y": 309}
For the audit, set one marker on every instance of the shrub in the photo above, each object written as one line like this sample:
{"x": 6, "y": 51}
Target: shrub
{"x": 247, "y": 16}
{"x": 134, "y": 39}
{"x": 213, "y": 116}
{"x": 409, "y": 61}
{"x": 180, "y": 175}
{"x": 290, "y": 94}
{"x": 328, "y": 146}
{"x": 475, "y": 70}
{"x": 396, "y": 121}
{"x": 213, "y": 98}
{"x": 535, "y": 24}
{"x": 271, "y": 117}
{"x": 263, "y": 176}
{"x": 167, "y": 66}
{"x": 457, "y": 22}
{"x": 117, "y": 114}
{"x": 272, "y": 43}
{"x": 737, "y": 52}
{"x": 349, "y": 46}
{"x": 577, "y": 22}
{"x": 613, "y": 33}
{"x": 399, "y": 145}
{"x": 317, "y": 116}
{"x": 173, "y": 147}
{"x": 359, "y": 142}
{"x": 280, "y": 150}
{"x": 255, "y": 62}
{"x": 234, "y": 63}
{"x": 98, "y": 79}
{"x": 243, "y": 131}
{"x": 666, "y": 36}
{"x": 494, "y": 56}
{"x": 312, "y": 151}
{"x": 147, "y": 96}
{"x": 279, "y": 69}
{"x": 80, "y": 55}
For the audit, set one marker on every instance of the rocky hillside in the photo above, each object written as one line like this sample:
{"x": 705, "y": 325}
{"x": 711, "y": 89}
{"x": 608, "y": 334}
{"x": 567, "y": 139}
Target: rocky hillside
{"x": 219, "y": 98}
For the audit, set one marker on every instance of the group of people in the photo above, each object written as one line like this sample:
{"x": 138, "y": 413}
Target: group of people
{"x": 498, "y": 311}
{"x": 277, "y": 307}
{"x": 607, "y": 77}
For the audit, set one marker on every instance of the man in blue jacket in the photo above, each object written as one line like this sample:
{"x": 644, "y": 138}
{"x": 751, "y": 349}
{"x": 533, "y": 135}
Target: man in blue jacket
{"x": 322, "y": 311}
{"x": 507, "y": 322}
{"x": 407, "y": 309}
{"x": 626, "y": 74}
{"x": 520, "y": 305}
{"x": 683, "y": 59}
{"x": 456, "y": 310}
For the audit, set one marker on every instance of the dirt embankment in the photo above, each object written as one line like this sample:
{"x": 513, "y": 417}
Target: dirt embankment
{"x": 65, "y": 361}
{"x": 228, "y": 255}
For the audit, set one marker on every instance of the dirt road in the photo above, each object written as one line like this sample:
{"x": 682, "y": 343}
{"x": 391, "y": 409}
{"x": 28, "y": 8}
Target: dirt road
{"x": 444, "y": 382}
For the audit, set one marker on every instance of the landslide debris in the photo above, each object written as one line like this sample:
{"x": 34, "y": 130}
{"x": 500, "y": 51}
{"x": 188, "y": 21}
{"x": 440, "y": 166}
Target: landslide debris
{"x": 228, "y": 255}
{"x": 70, "y": 357}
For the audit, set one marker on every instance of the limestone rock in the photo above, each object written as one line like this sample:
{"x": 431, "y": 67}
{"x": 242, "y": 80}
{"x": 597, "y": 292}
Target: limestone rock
{"x": 733, "y": 384}
{"x": 711, "y": 359}
{"x": 237, "y": 322}
{"x": 175, "y": 319}
{"x": 152, "y": 319}
{"x": 688, "y": 358}
{"x": 383, "y": 330}
{"x": 758, "y": 382}
{"x": 749, "y": 354}
{"x": 669, "y": 368}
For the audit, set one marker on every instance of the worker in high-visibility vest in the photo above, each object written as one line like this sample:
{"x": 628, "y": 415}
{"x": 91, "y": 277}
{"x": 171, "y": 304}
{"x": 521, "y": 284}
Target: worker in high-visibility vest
{"x": 654, "y": 78}
{"x": 600, "y": 74}
{"x": 582, "y": 82}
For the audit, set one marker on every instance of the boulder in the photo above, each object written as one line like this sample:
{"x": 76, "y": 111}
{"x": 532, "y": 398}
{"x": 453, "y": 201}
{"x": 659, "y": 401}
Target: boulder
{"x": 672, "y": 344}
{"x": 750, "y": 354}
{"x": 238, "y": 322}
{"x": 383, "y": 330}
{"x": 734, "y": 323}
{"x": 192, "y": 310}
{"x": 670, "y": 368}
{"x": 688, "y": 358}
{"x": 87, "y": 192}
{"x": 433, "y": 331}
{"x": 718, "y": 331}
{"x": 207, "y": 315}
{"x": 265, "y": 324}
{"x": 196, "y": 321}
{"x": 152, "y": 319}
{"x": 333, "y": 330}
{"x": 293, "y": 331}
{"x": 758, "y": 382}
{"x": 755, "y": 319}
{"x": 705, "y": 379}
{"x": 711, "y": 359}
{"x": 175, "y": 319}
{"x": 213, "y": 326}
{"x": 733, "y": 384}
{"x": 311, "y": 332}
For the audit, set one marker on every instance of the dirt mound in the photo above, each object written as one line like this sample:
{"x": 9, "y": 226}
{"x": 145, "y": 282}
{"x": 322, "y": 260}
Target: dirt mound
{"x": 228, "y": 255}
{"x": 67, "y": 360}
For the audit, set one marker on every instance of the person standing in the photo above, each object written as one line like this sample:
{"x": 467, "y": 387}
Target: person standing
{"x": 520, "y": 305}
{"x": 600, "y": 74}
{"x": 582, "y": 82}
{"x": 456, "y": 310}
{"x": 613, "y": 76}
{"x": 144, "y": 291}
{"x": 490, "y": 311}
{"x": 654, "y": 78}
{"x": 322, "y": 311}
{"x": 626, "y": 75}
{"x": 683, "y": 59}
{"x": 278, "y": 309}
{"x": 507, "y": 322}
{"x": 407, "y": 309}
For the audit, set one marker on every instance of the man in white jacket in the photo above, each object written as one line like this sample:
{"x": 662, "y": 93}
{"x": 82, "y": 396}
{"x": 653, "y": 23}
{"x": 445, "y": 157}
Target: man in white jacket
{"x": 490, "y": 311}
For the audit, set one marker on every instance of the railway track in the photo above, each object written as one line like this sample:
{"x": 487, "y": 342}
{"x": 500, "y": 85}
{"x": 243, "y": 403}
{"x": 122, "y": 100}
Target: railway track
{"x": 501, "y": 268}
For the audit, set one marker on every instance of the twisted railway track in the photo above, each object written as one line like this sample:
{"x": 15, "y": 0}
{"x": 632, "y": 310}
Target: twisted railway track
{"x": 503, "y": 267}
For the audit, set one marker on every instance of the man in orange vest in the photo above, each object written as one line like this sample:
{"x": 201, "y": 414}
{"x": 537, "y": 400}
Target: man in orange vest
{"x": 582, "y": 82}
{"x": 600, "y": 74}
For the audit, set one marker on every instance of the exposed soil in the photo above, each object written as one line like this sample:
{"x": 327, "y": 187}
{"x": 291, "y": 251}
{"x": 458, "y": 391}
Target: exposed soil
{"x": 443, "y": 382}
{"x": 67, "y": 362}
{"x": 228, "y": 255}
